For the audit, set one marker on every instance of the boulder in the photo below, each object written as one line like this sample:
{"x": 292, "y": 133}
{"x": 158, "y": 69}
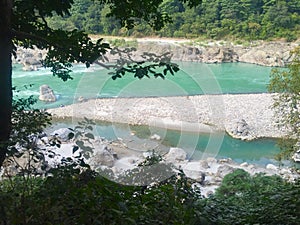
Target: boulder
{"x": 204, "y": 164}
{"x": 240, "y": 129}
{"x": 271, "y": 167}
{"x": 195, "y": 175}
{"x": 296, "y": 156}
{"x": 103, "y": 157}
{"x": 47, "y": 94}
{"x": 175, "y": 155}
{"x": 223, "y": 170}
{"x": 28, "y": 67}
{"x": 81, "y": 99}
{"x": 62, "y": 134}
{"x": 155, "y": 137}
{"x": 244, "y": 164}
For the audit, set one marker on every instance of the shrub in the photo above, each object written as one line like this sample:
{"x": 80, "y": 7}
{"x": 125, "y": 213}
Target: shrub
{"x": 243, "y": 199}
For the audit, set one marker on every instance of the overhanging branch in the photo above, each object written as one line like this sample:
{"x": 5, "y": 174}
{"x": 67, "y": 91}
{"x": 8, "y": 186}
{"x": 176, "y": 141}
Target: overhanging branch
{"x": 27, "y": 36}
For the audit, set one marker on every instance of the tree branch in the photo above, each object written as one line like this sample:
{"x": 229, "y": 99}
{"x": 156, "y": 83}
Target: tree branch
{"x": 23, "y": 36}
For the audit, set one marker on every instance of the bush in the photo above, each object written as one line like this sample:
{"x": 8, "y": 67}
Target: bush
{"x": 243, "y": 199}
{"x": 73, "y": 197}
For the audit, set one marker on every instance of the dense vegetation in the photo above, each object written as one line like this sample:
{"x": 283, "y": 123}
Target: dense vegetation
{"x": 250, "y": 19}
{"x": 73, "y": 197}
{"x": 286, "y": 104}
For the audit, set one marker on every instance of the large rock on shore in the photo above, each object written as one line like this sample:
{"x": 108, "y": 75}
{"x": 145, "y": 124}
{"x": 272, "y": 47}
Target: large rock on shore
{"x": 63, "y": 134}
{"x": 219, "y": 55}
{"x": 240, "y": 129}
{"x": 268, "y": 54}
{"x": 175, "y": 156}
{"x": 31, "y": 59}
{"x": 103, "y": 156}
{"x": 296, "y": 156}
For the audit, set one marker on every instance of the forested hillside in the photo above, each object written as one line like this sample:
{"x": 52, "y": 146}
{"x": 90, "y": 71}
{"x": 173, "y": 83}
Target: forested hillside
{"x": 218, "y": 19}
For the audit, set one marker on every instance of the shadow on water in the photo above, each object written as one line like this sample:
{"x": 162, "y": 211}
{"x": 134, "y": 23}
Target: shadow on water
{"x": 261, "y": 151}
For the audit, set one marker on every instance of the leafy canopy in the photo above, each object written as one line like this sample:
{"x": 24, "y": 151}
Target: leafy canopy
{"x": 219, "y": 19}
{"x": 30, "y": 28}
{"x": 286, "y": 83}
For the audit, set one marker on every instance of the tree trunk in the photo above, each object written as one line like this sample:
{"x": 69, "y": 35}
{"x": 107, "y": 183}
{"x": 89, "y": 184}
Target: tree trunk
{"x": 5, "y": 76}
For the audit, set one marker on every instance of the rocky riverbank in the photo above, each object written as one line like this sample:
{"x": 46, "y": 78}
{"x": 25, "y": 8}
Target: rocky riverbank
{"x": 114, "y": 160}
{"x": 274, "y": 53}
{"x": 119, "y": 162}
{"x": 244, "y": 116}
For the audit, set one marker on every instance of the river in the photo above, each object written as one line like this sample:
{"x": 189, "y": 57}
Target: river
{"x": 192, "y": 79}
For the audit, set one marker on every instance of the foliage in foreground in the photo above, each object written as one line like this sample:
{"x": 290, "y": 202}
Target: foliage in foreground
{"x": 73, "y": 194}
{"x": 243, "y": 199}
{"x": 73, "y": 197}
{"x": 286, "y": 83}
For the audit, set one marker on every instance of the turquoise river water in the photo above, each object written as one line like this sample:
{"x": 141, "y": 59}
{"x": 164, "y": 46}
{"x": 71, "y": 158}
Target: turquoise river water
{"x": 192, "y": 79}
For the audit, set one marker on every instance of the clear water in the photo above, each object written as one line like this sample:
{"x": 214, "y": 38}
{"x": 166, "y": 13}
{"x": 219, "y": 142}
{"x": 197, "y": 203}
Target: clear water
{"x": 198, "y": 146}
{"x": 193, "y": 79}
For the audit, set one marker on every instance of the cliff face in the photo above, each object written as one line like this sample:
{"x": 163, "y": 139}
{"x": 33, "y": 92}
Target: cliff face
{"x": 267, "y": 54}
{"x": 275, "y": 54}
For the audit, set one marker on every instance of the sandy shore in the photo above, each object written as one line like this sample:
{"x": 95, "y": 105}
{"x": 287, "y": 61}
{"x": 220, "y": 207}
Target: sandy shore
{"x": 203, "y": 113}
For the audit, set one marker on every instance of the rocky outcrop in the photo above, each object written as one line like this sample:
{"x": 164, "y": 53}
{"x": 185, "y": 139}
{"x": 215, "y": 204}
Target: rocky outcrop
{"x": 219, "y": 55}
{"x": 275, "y": 54}
{"x": 31, "y": 59}
{"x": 262, "y": 53}
{"x": 46, "y": 94}
{"x": 112, "y": 159}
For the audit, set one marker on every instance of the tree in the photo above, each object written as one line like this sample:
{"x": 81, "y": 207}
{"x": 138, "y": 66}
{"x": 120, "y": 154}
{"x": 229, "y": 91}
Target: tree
{"x": 23, "y": 23}
{"x": 258, "y": 199}
{"x": 5, "y": 75}
{"x": 286, "y": 83}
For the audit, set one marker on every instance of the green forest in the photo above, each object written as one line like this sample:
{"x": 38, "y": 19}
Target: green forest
{"x": 218, "y": 19}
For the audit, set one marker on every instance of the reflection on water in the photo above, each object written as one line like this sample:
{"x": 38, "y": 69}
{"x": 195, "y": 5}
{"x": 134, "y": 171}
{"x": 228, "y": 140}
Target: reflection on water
{"x": 260, "y": 151}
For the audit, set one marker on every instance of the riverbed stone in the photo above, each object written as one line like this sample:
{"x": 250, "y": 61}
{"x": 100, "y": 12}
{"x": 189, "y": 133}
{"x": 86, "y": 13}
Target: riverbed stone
{"x": 271, "y": 167}
{"x": 204, "y": 164}
{"x": 175, "y": 156}
{"x": 244, "y": 164}
{"x": 223, "y": 170}
{"x": 155, "y": 137}
{"x": 63, "y": 134}
{"x": 296, "y": 156}
{"x": 103, "y": 157}
{"x": 196, "y": 175}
